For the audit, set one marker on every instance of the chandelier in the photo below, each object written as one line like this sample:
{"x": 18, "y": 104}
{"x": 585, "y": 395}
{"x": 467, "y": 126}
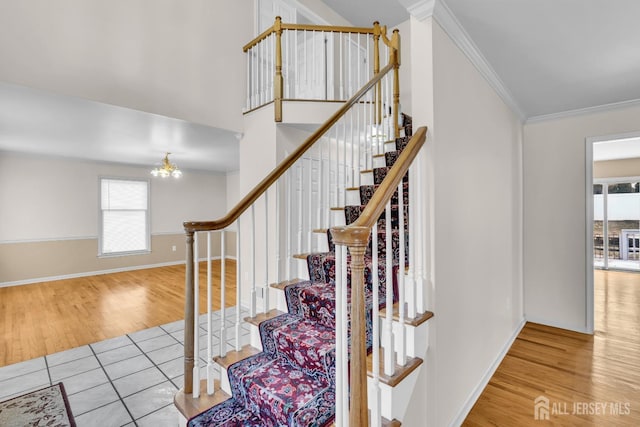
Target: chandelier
{"x": 167, "y": 169}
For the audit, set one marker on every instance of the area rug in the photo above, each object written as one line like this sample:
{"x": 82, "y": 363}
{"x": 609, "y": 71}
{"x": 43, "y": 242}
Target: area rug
{"x": 45, "y": 407}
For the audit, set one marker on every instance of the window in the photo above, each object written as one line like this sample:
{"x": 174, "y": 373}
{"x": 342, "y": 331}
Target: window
{"x": 124, "y": 216}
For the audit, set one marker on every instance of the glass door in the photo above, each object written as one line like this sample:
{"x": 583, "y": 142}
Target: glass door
{"x": 616, "y": 225}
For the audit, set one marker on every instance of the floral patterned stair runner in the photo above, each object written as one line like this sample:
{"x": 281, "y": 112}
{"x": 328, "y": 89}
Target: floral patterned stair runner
{"x": 292, "y": 381}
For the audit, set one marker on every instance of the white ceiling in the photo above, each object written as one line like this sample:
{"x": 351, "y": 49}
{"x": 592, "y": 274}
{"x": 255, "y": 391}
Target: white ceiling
{"x": 34, "y": 121}
{"x": 552, "y": 56}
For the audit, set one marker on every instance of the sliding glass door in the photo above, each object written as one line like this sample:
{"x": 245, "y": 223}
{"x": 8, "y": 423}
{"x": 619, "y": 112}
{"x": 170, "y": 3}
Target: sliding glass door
{"x": 616, "y": 226}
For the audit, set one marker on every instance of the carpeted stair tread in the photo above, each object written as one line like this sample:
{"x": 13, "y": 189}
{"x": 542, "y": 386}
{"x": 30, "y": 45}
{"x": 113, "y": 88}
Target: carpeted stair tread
{"x": 399, "y": 373}
{"x": 229, "y": 413}
{"x": 366, "y": 192}
{"x": 190, "y": 407}
{"x": 379, "y": 174}
{"x": 352, "y": 213}
{"x": 415, "y": 321}
{"x": 261, "y": 317}
{"x": 283, "y": 395}
{"x": 382, "y": 246}
{"x": 322, "y": 270}
{"x": 304, "y": 343}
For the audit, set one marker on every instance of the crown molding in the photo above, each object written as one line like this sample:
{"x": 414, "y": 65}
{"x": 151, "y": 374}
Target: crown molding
{"x": 461, "y": 38}
{"x": 438, "y": 9}
{"x": 582, "y": 111}
{"x": 419, "y": 9}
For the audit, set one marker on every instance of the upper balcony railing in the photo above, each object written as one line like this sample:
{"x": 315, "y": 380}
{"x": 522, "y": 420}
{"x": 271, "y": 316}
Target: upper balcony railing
{"x": 312, "y": 62}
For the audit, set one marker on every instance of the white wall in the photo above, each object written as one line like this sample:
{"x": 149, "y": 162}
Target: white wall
{"x": 477, "y": 220}
{"x": 555, "y": 273}
{"x": 53, "y": 198}
{"x": 170, "y": 57}
{"x": 233, "y": 189}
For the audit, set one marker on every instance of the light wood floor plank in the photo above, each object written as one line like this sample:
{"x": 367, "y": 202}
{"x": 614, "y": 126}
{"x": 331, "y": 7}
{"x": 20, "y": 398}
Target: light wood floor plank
{"x": 48, "y": 317}
{"x": 570, "y": 367}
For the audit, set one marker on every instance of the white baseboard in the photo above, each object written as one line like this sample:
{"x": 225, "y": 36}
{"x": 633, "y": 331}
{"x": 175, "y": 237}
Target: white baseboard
{"x": 97, "y": 273}
{"x": 546, "y": 322}
{"x": 462, "y": 415}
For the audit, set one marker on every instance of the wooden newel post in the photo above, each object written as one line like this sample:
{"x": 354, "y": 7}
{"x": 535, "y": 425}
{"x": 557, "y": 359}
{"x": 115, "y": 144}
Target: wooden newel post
{"x": 277, "y": 79}
{"x": 356, "y": 238}
{"x": 395, "y": 57}
{"x": 188, "y": 318}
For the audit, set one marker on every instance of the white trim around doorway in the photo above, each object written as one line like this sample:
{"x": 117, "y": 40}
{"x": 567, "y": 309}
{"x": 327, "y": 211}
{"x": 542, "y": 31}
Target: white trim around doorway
{"x": 589, "y": 296}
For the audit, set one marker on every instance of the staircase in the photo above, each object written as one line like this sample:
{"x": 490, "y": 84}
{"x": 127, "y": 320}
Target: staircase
{"x": 308, "y": 366}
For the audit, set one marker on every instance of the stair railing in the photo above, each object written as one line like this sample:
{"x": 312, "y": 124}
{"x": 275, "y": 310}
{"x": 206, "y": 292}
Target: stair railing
{"x": 340, "y": 147}
{"x": 355, "y": 237}
{"x": 310, "y": 62}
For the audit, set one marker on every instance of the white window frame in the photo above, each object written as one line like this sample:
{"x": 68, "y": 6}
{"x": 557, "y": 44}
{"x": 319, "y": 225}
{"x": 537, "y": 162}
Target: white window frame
{"x": 147, "y": 211}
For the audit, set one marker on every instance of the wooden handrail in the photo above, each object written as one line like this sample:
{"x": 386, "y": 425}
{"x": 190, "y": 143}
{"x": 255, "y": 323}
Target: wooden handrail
{"x": 328, "y": 28}
{"x": 355, "y": 232}
{"x": 253, "y": 195}
{"x": 307, "y": 27}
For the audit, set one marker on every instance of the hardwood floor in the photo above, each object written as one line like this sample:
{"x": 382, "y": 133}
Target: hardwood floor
{"x": 48, "y": 317}
{"x": 573, "y": 369}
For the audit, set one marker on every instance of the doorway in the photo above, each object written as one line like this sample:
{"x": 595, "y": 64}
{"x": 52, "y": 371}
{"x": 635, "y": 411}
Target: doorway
{"x": 612, "y": 208}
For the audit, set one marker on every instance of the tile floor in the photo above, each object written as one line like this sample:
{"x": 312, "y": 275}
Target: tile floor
{"x": 124, "y": 381}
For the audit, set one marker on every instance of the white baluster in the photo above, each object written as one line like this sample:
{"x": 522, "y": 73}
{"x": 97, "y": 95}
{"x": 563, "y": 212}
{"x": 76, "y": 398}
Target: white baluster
{"x": 314, "y": 67}
{"x": 196, "y": 318}
{"x": 355, "y": 181}
{"x": 288, "y": 207}
{"x": 248, "y": 101}
{"x": 223, "y": 297}
{"x": 256, "y": 88}
{"x": 310, "y": 203}
{"x": 375, "y": 410}
{"x": 297, "y": 76}
{"x": 359, "y": 59}
{"x": 300, "y": 187}
{"x": 265, "y": 293}
{"x": 341, "y": 355}
{"x": 423, "y": 281}
{"x": 238, "y": 285}
{"x": 341, "y": 69}
{"x": 345, "y": 344}
{"x": 319, "y": 193}
{"x": 349, "y": 69}
{"x": 210, "y": 372}
{"x": 402, "y": 346}
{"x": 419, "y": 284}
{"x": 413, "y": 219}
{"x": 344, "y": 154}
{"x": 306, "y": 65}
{"x": 389, "y": 359}
{"x": 253, "y": 261}
{"x": 277, "y": 221}
{"x": 272, "y": 66}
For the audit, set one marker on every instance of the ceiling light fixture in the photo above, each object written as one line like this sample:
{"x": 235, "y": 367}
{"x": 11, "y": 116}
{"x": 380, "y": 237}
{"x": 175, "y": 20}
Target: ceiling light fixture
{"x": 167, "y": 169}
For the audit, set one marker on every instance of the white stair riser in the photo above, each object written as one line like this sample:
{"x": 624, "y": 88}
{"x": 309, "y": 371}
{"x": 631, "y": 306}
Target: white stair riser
{"x": 301, "y": 268}
{"x": 366, "y": 178}
{"x": 353, "y": 197}
{"x": 389, "y": 146}
{"x": 394, "y": 400}
{"x": 379, "y": 162}
{"x": 337, "y": 217}
{"x": 320, "y": 242}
